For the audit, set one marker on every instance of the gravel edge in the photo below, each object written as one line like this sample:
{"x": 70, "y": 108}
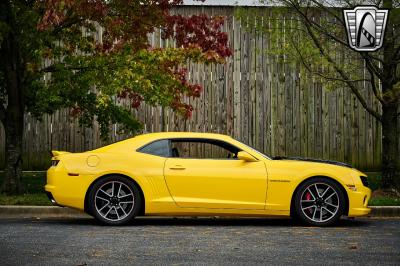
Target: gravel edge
{"x": 55, "y": 211}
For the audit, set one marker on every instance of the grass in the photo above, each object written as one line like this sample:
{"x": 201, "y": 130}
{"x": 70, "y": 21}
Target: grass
{"x": 384, "y": 201}
{"x": 34, "y": 192}
{"x": 32, "y": 182}
{"x": 39, "y": 199}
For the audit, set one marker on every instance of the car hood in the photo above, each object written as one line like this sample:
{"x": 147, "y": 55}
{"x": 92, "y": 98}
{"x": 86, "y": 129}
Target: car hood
{"x": 312, "y": 160}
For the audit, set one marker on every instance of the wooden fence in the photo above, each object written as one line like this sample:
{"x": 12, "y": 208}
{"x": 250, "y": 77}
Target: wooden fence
{"x": 252, "y": 97}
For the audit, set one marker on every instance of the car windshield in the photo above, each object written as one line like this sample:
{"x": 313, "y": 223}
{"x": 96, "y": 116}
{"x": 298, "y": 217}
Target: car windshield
{"x": 255, "y": 150}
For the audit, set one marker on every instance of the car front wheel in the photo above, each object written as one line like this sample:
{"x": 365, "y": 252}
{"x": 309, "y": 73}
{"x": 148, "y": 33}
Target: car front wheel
{"x": 114, "y": 200}
{"x": 320, "y": 202}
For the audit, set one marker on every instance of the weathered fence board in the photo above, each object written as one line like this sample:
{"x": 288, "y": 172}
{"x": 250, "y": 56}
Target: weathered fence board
{"x": 255, "y": 97}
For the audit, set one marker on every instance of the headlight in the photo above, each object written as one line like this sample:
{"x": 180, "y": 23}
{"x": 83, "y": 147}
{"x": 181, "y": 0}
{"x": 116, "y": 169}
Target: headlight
{"x": 54, "y": 162}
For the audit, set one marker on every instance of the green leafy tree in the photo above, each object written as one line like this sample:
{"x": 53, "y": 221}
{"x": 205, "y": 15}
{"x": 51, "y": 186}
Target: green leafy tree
{"x": 87, "y": 55}
{"x": 316, "y": 39}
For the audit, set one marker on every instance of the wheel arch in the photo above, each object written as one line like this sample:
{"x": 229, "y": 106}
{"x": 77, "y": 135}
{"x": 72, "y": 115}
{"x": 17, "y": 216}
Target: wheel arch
{"x": 143, "y": 204}
{"x": 346, "y": 196}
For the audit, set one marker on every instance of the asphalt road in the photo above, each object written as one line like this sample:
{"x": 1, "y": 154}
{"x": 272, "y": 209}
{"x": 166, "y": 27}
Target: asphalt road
{"x": 205, "y": 241}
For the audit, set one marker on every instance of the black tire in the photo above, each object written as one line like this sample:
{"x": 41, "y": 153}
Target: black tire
{"x": 117, "y": 213}
{"x": 312, "y": 209}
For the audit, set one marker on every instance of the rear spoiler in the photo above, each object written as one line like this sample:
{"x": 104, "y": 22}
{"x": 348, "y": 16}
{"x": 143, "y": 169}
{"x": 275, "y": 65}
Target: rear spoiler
{"x": 57, "y": 153}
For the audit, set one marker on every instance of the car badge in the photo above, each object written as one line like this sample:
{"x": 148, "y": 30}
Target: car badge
{"x": 365, "y": 27}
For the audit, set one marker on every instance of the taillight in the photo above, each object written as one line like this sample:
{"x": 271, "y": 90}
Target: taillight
{"x": 54, "y": 162}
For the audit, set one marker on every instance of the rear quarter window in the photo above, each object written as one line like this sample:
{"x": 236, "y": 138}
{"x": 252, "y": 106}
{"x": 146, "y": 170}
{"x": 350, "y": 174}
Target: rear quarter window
{"x": 158, "y": 148}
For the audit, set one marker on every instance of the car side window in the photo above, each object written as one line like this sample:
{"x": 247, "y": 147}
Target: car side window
{"x": 203, "y": 149}
{"x": 158, "y": 148}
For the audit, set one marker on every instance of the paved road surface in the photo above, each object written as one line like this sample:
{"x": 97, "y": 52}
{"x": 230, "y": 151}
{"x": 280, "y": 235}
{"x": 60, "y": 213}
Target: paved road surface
{"x": 203, "y": 241}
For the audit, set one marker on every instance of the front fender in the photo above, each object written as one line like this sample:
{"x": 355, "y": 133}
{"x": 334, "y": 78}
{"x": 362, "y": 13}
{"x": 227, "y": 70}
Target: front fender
{"x": 285, "y": 176}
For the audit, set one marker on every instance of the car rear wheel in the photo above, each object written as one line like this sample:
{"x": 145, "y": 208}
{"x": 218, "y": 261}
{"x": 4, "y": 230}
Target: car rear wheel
{"x": 114, "y": 200}
{"x": 320, "y": 202}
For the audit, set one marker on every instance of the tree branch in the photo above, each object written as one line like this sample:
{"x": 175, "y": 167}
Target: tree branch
{"x": 2, "y": 114}
{"x": 369, "y": 54}
{"x": 52, "y": 69}
{"x": 324, "y": 31}
{"x": 318, "y": 26}
{"x": 340, "y": 71}
{"x": 66, "y": 24}
{"x": 307, "y": 66}
{"x": 328, "y": 10}
{"x": 377, "y": 93}
{"x": 397, "y": 54}
{"x": 375, "y": 69}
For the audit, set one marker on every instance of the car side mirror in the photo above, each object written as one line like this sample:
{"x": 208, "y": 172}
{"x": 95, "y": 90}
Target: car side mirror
{"x": 244, "y": 156}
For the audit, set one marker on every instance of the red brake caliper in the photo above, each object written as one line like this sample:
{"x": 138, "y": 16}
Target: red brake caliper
{"x": 308, "y": 197}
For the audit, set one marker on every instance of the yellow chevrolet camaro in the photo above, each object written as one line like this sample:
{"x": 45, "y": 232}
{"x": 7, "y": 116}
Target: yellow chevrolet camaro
{"x": 178, "y": 173}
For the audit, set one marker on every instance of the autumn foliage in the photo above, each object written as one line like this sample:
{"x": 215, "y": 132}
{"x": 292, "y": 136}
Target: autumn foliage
{"x": 125, "y": 27}
{"x": 93, "y": 57}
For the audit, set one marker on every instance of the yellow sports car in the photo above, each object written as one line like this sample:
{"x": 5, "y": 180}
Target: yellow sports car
{"x": 178, "y": 173}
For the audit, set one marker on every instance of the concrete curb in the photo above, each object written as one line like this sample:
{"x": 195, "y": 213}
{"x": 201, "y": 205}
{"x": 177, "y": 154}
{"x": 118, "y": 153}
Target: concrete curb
{"x": 385, "y": 211}
{"x": 39, "y": 211}
{"x": 54, "y": 211}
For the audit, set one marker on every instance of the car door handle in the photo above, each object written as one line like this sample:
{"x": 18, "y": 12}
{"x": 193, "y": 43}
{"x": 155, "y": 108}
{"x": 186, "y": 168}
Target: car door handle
{"x": 177, "y": 167}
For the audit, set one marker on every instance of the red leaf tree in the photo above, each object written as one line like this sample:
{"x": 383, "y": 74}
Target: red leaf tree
{"x": 85, "y": 54}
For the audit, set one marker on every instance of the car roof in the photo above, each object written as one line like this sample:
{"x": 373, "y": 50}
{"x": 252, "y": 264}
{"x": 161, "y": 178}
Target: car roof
{"x": 140, "y": 140}
{"x": 167, "y": 135}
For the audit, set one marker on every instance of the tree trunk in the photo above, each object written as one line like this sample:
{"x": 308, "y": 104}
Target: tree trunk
{"x": 390, "y": 107}
{"x": 14, "y": 131}
{"x": 13, "y": 127}
{"x": 390, "y": 147}
{"x": 13, "y": 116}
